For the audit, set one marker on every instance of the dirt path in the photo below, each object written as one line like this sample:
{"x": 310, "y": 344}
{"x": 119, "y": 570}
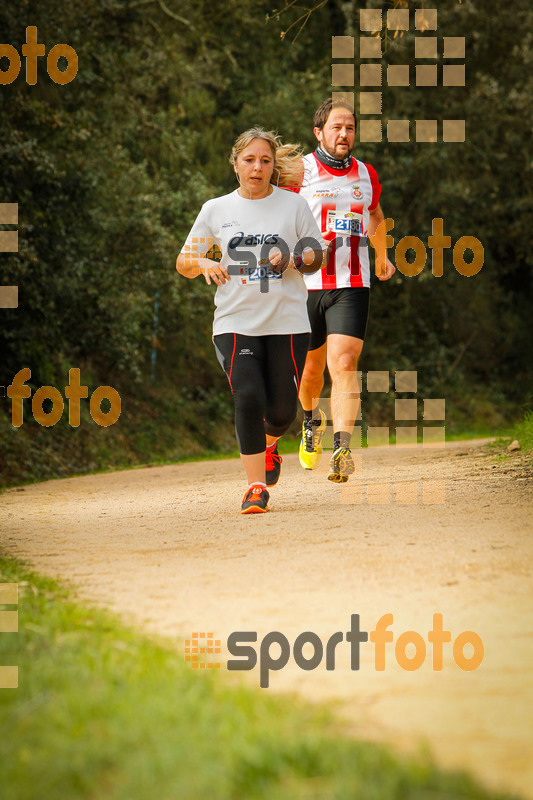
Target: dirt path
{"x": 166, "y": 548}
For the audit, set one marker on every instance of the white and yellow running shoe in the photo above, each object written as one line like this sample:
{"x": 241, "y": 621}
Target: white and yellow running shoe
{"x": 341, "y": 465}
{"x": 310, "y": 445}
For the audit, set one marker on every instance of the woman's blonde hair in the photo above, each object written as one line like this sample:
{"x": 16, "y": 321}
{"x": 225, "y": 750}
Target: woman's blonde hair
{"x": 288, "y": 168}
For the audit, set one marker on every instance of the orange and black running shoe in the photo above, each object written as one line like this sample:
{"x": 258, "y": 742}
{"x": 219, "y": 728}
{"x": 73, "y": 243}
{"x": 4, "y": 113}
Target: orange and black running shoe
{"x": 273, "y": 464}
{"x": 255, "y": 500}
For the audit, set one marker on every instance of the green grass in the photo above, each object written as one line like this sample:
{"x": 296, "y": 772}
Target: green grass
{"x": 26, "y": 472}
{"x": 102, "y": 713}
{"x": 291, "y": 444}
{"x": 169, "y": 423}
{"x": 523, "y": 433}
{"x": 158, "y": 427}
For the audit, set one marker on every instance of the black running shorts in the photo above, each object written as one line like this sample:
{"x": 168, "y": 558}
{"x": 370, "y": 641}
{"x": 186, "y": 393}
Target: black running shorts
{"x": 337, "y": 311}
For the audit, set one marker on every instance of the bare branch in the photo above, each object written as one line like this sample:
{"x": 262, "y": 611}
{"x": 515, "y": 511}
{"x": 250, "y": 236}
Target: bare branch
{"x": 305, "y": 16}
{"x": 170, "y": 13}
{"x": 164, "y": 9}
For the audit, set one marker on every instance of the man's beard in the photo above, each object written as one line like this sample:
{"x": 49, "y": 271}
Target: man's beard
{"x": 325, "y": 157}
{"x": 339, "y": 156}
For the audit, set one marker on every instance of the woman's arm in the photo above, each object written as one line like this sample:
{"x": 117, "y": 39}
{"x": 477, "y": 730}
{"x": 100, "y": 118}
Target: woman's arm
{"x": 193, "y": 259}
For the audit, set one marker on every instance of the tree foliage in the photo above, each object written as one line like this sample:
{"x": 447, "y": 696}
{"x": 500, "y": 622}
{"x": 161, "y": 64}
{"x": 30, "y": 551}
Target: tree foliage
{"x": 110, "y": 170}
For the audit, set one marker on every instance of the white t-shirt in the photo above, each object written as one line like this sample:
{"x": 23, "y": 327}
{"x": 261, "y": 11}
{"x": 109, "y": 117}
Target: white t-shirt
{"x": 257, "y": 301}
{"x": 349, "y": 194}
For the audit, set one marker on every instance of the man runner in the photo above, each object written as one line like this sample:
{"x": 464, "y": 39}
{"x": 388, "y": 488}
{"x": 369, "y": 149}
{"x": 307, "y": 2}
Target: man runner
{"x": 343, "y": 194}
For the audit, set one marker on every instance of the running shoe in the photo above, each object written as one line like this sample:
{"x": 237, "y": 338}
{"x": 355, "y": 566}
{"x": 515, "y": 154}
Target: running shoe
{"x": 341, "y": 465}
{"x": 310, "y": 445}
{"x": 273, "y": 464}
{"x": 255, "y": 500}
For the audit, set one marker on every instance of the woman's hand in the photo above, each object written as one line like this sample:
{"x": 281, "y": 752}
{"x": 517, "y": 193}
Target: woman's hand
{"x": 190, "y": 266}
{"x": 213, "y": 271}
{"x": 280, "y": 261}
{"x": 308, "y": 262}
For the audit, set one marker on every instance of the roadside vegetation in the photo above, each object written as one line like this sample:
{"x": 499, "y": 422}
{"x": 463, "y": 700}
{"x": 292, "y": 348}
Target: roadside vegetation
{"x": 110, "y": 170}
{"x": 513, "y": 449}
{"x": 523, "y": 433}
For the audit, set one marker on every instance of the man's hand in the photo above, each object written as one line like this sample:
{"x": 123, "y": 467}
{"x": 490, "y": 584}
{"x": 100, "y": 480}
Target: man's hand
{"x": 384, "y": 270}
{"x": 377, "y": 234}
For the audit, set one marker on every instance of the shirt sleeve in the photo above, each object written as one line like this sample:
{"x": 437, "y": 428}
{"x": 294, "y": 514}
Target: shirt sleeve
{"x": 291, "y": 188}
{"x": 200, "y": 238}
{"x": 307, "y": 226}
{"x": 376, "y": 187}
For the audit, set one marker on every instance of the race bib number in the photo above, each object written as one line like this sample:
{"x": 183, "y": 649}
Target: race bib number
{"x": 349, "y": 223}
{"x": 263, "y": 272}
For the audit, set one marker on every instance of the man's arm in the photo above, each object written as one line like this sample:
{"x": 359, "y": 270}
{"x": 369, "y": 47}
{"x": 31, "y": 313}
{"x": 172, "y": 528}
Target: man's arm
{"x": 385, "y": 269}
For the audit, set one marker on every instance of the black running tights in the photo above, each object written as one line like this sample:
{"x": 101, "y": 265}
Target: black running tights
{"x": 264, "y": 374}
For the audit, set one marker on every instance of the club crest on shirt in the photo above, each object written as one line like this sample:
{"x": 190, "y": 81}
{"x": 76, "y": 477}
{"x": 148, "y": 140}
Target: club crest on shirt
{"x": 357, "y": 193}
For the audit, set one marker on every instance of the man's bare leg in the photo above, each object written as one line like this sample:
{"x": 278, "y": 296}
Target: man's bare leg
{"x": 342, "y": 358}
{"x": 314, "y": 426}
{"x": 313, "y": 378}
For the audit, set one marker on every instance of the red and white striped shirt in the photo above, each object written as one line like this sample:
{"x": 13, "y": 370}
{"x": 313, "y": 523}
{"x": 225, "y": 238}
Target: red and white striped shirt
{"x": 355, "y": 189}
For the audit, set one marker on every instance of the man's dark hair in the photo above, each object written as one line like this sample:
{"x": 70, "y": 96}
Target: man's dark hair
{"x": 324, "y": 110}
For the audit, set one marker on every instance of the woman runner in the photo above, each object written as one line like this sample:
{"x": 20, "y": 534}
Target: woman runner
{"x": 267, "y": 237}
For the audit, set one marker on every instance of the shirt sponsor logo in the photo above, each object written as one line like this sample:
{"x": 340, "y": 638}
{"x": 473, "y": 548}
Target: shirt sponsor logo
{"x": 334, "y": 192}
{"x": 252, "y": 239}
{"x": 231, "y": 224}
